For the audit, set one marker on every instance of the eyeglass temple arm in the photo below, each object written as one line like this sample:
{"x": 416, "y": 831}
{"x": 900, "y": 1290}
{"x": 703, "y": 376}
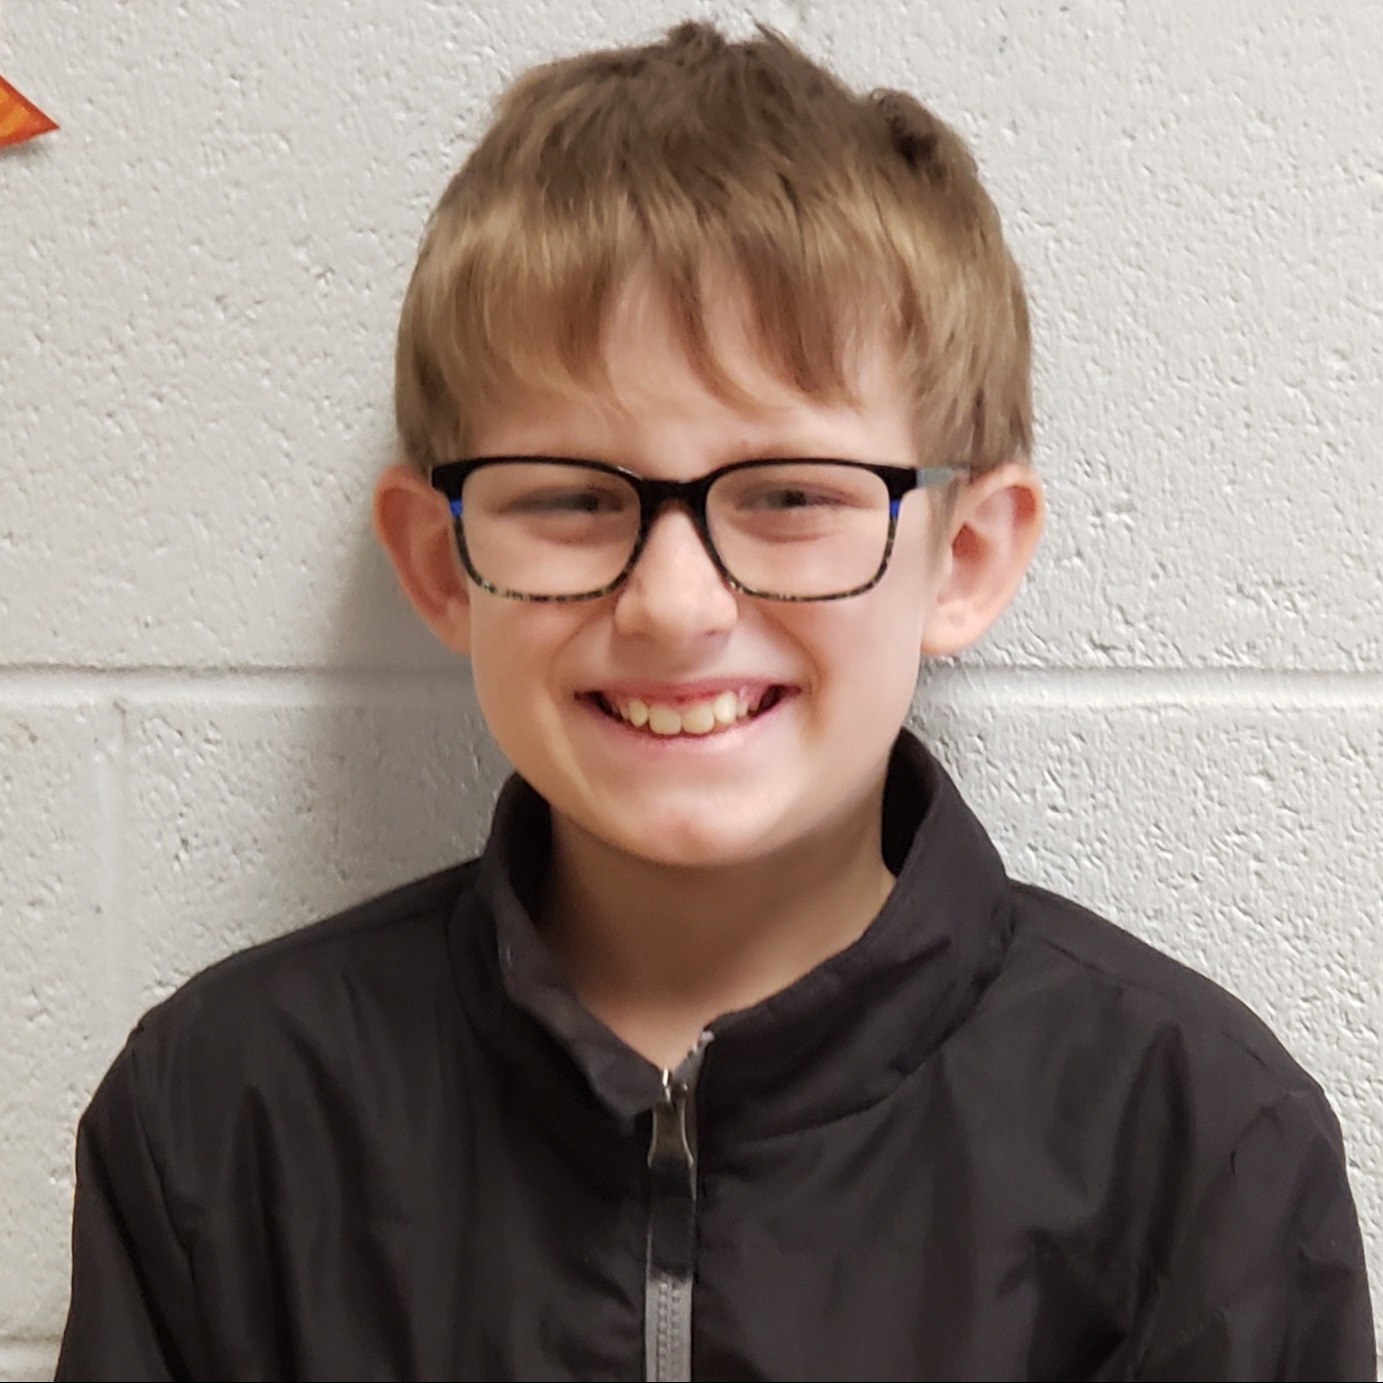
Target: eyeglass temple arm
{"x": 919, "y": 478}
{"x": 932, "y": 477}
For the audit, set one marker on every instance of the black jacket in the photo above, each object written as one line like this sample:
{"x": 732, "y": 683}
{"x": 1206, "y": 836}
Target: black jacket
{"x": 997, "y": 1138}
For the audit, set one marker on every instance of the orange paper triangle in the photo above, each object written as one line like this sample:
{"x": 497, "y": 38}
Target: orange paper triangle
{"x": 20, "y": 119}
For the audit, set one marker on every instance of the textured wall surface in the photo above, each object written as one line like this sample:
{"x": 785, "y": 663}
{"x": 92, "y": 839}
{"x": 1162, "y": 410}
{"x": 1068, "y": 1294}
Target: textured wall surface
{"x": 218, "y": 720}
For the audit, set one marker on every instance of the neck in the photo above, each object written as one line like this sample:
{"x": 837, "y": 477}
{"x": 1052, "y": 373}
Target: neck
{"x": 658, "y": 952}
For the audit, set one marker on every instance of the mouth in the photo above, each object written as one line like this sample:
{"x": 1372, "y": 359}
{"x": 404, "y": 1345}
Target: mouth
{"x": 694, "y": 717}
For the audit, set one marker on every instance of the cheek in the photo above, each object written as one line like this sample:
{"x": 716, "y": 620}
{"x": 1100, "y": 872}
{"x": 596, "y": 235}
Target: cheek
{"x": 867, "y": 651}
{"x": 518, "y": 651}
{"x": 503, "y": 665}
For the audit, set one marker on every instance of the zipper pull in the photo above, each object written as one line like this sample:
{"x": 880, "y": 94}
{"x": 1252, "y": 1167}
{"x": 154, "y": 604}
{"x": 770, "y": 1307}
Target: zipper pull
{"x": 669, "y": 1148}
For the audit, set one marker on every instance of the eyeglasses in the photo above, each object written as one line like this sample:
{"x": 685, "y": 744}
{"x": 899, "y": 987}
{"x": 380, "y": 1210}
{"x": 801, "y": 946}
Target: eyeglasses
{"x": 548, "y": 528}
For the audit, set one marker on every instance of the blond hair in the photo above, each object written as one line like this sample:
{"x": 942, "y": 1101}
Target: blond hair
{"x": 836, "y": 213}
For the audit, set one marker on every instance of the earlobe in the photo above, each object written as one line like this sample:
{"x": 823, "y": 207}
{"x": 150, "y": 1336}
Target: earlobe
{"x": 991, "y": 534}
{"x": 414, "y": 525}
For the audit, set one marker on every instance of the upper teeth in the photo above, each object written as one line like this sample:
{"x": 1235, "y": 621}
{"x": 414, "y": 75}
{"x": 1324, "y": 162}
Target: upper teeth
{"x": 690, "y": 718}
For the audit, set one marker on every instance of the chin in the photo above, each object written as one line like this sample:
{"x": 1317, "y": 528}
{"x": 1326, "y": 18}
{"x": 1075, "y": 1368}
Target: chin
{"x": 677, "y": 840}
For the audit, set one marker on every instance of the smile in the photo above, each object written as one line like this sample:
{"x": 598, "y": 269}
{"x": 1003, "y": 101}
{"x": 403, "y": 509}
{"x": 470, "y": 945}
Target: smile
{"x": 697, "y": 716}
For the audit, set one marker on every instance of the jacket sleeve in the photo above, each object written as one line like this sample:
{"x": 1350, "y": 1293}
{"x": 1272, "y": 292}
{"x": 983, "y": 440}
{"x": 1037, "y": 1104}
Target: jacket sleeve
{"x": 1269, "y": 1282}
{"x": 131, "y": 1287}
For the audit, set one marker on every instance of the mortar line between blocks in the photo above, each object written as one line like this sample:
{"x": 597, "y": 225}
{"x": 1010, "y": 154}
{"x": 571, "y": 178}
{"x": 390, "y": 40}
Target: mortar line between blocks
{"x": 1114, "y": 689}
{"x": 946, "y": 686}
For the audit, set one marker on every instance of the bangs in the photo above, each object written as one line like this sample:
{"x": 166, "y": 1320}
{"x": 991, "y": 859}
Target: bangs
{"x": 524, "y": 308}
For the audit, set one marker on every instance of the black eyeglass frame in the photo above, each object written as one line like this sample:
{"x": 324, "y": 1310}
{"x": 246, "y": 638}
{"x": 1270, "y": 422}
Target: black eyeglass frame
{"x": 449, "y": 477}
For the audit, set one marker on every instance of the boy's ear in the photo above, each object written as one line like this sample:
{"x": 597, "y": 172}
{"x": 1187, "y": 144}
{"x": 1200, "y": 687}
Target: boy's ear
{"x": 988, "y": 539}
{"x": 414, "y": 523}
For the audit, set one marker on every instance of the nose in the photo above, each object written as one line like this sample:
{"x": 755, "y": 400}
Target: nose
{"x": 675, "y": 593}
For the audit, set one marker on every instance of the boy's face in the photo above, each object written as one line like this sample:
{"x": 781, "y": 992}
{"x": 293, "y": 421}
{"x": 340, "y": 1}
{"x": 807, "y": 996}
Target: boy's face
{"x": 843, "y": 672}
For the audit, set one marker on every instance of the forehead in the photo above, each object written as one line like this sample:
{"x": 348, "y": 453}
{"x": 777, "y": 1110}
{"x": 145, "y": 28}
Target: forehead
{"x": 648, "y": 396}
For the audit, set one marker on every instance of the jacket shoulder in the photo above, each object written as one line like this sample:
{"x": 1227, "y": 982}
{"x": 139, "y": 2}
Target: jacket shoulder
{"x": 394, "y": 938}
{"x": 323, "y": 1017}
{"x": 1160, "y": 998}
{"x": 1116, "y": 1034}
{"x": 1231, "y": 1160}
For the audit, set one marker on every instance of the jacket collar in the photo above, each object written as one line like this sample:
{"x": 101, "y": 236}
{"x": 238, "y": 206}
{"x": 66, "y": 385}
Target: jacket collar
{"x": 839, "y": 1039}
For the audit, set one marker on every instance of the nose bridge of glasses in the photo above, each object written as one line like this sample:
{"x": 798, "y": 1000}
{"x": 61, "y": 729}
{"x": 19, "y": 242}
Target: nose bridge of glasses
{"x": 657, "y": 496}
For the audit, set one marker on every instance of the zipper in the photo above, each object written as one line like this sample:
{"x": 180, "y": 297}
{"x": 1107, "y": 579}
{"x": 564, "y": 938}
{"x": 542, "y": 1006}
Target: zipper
{"x": 671, "y": 1260}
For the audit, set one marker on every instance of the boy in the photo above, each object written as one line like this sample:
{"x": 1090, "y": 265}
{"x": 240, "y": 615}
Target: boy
{"x": 736, "y": 1055}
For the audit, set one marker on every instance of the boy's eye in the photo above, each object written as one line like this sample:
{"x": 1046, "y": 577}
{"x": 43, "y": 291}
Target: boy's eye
{"x": 782, "y": 488}
{"x": 569, "y": 501}
{"x": 787, "y": 490}
{"x": 785, "y": 497}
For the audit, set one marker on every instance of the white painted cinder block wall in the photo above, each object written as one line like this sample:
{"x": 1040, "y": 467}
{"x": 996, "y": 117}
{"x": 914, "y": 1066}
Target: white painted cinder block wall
{"x": 218, "y": 720}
